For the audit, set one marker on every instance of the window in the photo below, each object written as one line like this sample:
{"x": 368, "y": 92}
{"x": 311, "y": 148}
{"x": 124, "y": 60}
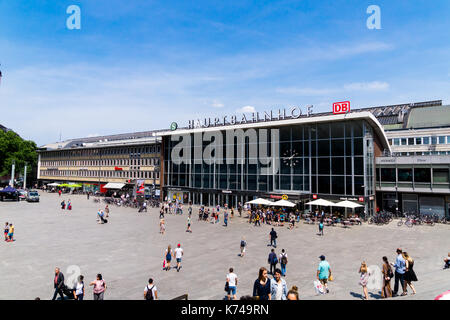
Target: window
{"x": 433, "y": 140}
{"x": 418, "y": 140}
{"x": 441, "y": 139}
{"x": 405, "y": 175}
{"x": 388, "y": 174}
{"x": 403, "y": 141}
{"x": 440, "y": 176}
{"x": 422, "y": 175}
{"x": 410, "y": 141}
{"x": 426, "y": 140}
{"x": 396, "y": 141}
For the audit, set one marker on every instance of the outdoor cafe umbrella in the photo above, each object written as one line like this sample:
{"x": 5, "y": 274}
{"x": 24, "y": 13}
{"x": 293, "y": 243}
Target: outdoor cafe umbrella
{"x": 261, "y": 201}
{"x": 54, "y": 184}
{"x": 348, "y": 204}
{"x": 284, "y": 203}
{"x": 322, "y": 202}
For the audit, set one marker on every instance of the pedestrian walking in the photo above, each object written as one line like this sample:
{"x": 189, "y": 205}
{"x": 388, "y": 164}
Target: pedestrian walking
{"x": 321, "y": 227}
{"x": 240, "y": 209}
{"x": 162, "y": 226}
{"x": 69, "y": 205}
{"x": 261, "y": 286}
{"x": 225, "y": 218}
{"x": 446, "y": 261}
{"x": 400, "y": 268}
{"x": 58, "y": 284}
{"x": 78, "y": 290}
{"x": 324, "y": 272}
{"x": 272, "y": 260}
{"x": 232, "y": 281}
{"x": 178, "y": 255}
{"x": 283, "y": 262}
{"x": 87, "y": 195}
{"x": 243, "y": 245}
{"x": 99, "y": 287}
{"x": 257, "y": 218}
{"x": 63, "y": 205}
{"x": 410, "y": 275}
{"x": 168, "y": 257}
{"x": 386, "y": 291}
{"x": 6, "y": 231}
{"x": 190, "y": 209}
{"x": 364, "y": 279}
{"x": 292, "y": 293}
{"x": 278, "y": 287}
{"x": 150, "y": 291}
{"x": 10, "y": 233}
{"x": 107, "y": 211}
{"x": 189, "y": 224}
{"x": 273, "y": 238}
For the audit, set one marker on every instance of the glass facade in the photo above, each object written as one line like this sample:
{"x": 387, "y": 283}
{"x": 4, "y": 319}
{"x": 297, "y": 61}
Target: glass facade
{"x": 335, "y": 158}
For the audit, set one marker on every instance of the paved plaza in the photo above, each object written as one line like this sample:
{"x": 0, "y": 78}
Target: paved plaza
{"x": 129, "y": 249}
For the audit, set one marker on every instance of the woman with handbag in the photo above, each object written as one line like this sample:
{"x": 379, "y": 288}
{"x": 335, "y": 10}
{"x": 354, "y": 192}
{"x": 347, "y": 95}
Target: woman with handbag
{"x": 410, "y": 275}
{"x": 364, "y": 279}
{"x": 386, "y": 292}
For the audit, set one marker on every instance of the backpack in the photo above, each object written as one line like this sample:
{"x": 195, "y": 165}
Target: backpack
{"x": 242, "y": 243}
{"x": 283, "y": 259}
{"x": 149, "y": 293}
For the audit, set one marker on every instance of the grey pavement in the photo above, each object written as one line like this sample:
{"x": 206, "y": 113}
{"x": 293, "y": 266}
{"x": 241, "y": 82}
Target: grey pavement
{"x": 129, "y": 249}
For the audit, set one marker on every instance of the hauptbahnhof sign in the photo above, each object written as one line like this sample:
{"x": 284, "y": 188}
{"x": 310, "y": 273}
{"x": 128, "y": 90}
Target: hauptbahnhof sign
{"x": 293, "y": 113}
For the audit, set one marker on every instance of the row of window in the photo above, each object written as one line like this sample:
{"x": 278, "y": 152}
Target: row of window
{"x": 421, "y": 175}
{"x": 104, "y": 162}
{"x": 102, "y": 151}
{"x": 101, "y": 173}
{"x": 415, "y": 141}
{"x": 428, "y": 153}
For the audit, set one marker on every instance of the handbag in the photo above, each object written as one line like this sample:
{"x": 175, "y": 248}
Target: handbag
{"x": 227, "y": 286}
{"x": 330, "y": 278}
{"x": 318, "y": 287}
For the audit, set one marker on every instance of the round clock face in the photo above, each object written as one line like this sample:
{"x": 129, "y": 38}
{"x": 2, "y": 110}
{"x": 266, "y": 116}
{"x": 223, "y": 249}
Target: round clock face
{"x": 289, "y": 158}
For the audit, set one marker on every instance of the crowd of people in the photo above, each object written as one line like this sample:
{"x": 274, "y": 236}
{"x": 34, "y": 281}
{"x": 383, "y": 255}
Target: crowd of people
{"x": 264, "y": 288}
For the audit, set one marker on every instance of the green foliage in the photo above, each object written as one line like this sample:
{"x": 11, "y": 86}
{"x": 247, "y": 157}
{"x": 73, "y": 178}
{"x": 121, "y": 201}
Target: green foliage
{"x": 14, "y": 148}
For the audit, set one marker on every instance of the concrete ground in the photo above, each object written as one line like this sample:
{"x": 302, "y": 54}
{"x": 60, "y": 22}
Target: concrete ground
{"x": 129, "y": 249}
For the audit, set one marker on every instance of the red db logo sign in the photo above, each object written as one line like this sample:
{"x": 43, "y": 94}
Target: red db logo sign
{"x": 341, "y": 107}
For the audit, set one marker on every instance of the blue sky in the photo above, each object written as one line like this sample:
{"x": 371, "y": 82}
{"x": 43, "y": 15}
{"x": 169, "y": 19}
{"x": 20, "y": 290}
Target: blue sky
{"x": 139, "y": 65}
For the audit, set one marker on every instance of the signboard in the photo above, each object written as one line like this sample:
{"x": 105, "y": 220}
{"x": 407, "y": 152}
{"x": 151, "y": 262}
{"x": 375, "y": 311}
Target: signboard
{"x": 273, "y": 196}
{"x": 117, "y": 169}
{"x": 341, "y": 107}
{"x": 284, "y": 197}
{"x": 361, "y": 199}
{"x": 140, "y": 186}
{"x": 314, "y": 196}
{"x": 227, "y": 191}
{"x": 173, "y": 126}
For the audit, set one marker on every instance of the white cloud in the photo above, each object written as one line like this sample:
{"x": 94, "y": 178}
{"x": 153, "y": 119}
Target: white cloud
{"x": 307, "y": 91}
{"x": 217, "y": 104}
{"x": 367, "y": 86}
{"x": 246, "y": 109}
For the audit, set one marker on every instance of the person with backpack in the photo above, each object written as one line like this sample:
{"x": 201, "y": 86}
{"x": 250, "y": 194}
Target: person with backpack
{"x": 63, "y": 205}
{"x": 243, "y": 245}
{"x": 283, "y": 262}
{"x": 273, "y": 261}
{"x": 150, "y": 291}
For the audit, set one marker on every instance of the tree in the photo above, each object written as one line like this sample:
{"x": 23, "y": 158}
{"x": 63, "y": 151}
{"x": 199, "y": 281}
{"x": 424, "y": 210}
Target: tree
{"x": 14, "y": 148}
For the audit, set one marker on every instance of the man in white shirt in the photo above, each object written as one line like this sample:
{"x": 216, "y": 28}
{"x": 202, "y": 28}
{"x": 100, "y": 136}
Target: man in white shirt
{"x": 232, "y": 284}
{"x": 178, "y": 254}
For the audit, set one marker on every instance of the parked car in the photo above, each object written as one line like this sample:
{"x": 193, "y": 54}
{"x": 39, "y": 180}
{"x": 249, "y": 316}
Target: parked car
{"x": 22, "y": 194}
{"x": 33, "y": 196}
